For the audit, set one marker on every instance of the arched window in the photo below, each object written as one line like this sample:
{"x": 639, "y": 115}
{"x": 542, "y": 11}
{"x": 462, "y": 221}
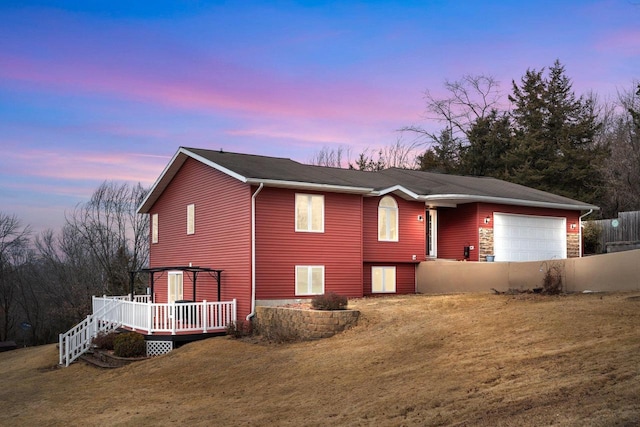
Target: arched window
{"x": 388, "y": 220}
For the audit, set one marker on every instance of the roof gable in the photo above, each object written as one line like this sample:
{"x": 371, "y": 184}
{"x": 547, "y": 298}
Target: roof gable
{"x": 433, "y": 188}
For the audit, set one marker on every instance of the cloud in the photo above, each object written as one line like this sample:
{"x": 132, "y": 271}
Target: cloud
{"x": 241, "y": 92}
{"x": 84, "y": 166}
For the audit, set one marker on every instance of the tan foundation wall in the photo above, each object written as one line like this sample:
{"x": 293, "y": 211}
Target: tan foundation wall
{"x": 601, "y": 273}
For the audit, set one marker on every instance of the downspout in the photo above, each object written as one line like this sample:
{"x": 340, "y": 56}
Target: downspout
{"x": 580, "y": 225}
{"x": 253, "y": 252}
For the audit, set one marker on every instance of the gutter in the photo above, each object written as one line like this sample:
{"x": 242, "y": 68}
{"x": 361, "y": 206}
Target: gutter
{"x": 253, "y": 252}
{"x": 468, "y": 198}
{"x": 310, "y": 186}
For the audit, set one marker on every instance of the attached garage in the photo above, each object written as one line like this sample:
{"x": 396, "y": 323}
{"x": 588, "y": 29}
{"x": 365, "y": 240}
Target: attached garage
{"x": 529, "y": 238}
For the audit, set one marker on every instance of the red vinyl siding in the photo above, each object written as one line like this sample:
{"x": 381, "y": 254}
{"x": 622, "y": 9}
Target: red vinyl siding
{"x": 222, "y": 238}
{"x": 405, "y": 277}
{"x": 279, "y": 248}
{"x": 411, "y": 236}
{"x": 459, "y": 227}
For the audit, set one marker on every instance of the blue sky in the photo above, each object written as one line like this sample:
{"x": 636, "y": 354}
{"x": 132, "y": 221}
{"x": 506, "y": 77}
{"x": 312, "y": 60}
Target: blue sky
{"x": 94, "y": 91}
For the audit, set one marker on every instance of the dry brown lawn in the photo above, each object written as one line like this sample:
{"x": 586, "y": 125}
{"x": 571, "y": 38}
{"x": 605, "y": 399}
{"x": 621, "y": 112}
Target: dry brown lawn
{"x": 463, "y": 360}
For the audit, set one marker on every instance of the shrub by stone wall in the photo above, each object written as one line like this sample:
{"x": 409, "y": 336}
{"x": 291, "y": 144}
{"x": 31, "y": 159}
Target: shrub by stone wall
{"x": 306, "y": 324}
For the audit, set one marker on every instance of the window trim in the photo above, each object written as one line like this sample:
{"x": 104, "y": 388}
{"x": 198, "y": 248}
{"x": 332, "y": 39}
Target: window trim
{"x": 154, "y": 228}
{"x": 387, "y": 229}
{"x": 309, "y": 279}
{"x": 310, "y": 217}
{"x": 383, "y": 269}
{"x": 191, "y": 219}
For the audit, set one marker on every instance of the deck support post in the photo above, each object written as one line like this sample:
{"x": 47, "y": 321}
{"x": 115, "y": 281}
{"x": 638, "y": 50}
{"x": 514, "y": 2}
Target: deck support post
{"x": 204, "y": 316}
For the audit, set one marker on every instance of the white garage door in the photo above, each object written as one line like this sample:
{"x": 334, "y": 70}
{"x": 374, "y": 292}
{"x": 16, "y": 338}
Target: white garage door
{"x": 529, "y": 238}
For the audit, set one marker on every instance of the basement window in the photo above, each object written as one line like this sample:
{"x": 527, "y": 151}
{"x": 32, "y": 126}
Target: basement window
{"x": 383, "y": 279}
{"x": 309, "y": 279}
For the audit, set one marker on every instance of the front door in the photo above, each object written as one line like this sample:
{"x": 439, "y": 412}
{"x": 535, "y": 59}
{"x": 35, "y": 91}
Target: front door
{"x": 175, "y": 291}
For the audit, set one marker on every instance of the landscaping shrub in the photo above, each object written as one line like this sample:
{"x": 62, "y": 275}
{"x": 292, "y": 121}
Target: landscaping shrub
{"x": 239, "y": 329}
{"x": 552, "y": 281}
{"x": 591, "y": 234}
{"x": 130, "y": 344}
{"x": 105, "y": 340}
{"x": 329, "y": 301}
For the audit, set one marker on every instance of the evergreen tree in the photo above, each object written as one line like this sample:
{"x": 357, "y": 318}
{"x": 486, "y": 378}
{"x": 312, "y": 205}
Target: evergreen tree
{"x": 443, "y": 155}
{"x": 554, "y": 137}
{"x": 489, "y": 142}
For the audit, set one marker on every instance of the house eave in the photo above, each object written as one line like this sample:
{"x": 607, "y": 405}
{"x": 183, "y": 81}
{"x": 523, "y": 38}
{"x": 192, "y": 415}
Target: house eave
{"x": 456, "y": 199}
{"x": 310, "y": 186}
{"x": 398, "y": 190}
{"x": 170, "y": 171}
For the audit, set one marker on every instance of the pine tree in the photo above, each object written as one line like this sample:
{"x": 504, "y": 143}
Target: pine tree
{"x": 489, "y": 142}
{"x": 554, "y": 134}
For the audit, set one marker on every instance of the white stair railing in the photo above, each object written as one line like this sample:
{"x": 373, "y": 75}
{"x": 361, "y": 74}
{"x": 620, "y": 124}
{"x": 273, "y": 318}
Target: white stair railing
{"x": 77, "y": 340}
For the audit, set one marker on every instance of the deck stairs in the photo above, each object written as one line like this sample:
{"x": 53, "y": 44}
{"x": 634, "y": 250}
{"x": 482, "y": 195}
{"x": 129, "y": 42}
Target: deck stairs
{"x": 77, "y": 340}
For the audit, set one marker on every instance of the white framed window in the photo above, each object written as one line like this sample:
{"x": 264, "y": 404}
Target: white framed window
{"x": 191, "y": 219}
{"x": 383, "y": 279}
{"x": 309, "y": 279}
{"x": 388, "y": 220}
{"x": 175, "y": 291}
{"x": 310, "y": 213}
{"x": 154, "y": 228}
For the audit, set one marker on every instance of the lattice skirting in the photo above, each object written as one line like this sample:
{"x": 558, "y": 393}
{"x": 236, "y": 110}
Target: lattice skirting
{"x": 156, "y": 348}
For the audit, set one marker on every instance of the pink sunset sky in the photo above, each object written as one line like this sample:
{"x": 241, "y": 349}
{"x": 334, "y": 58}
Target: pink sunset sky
{"x": 108, "y": 91}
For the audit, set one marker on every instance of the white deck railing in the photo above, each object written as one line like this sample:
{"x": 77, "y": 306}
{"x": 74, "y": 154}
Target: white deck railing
{"x": 139, "y": 314}
{"x": 174, "y": 318}
{"x": 77, "y": 340}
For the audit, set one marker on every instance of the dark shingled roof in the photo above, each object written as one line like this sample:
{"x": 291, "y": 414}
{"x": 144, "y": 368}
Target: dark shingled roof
{"x": 432, "y": 188}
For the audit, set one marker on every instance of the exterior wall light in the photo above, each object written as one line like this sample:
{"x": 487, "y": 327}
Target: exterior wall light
{"x": 573, "y": 225}
{"x": 420, "y": 218}
{"x": 487, "y": 220}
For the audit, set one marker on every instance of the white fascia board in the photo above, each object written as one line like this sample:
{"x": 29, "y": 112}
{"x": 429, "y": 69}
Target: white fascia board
{"x": 399, "y": 189}
{"x": 172, "y": 168}
{"x": 309, "y": 186}
{"x": 468, "y": 198}
{"x": 169, "y": 171}
{"x": 215, "y": 166}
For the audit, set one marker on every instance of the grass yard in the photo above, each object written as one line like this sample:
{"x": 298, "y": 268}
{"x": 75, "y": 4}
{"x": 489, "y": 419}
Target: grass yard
{"x": 462, "y": 360}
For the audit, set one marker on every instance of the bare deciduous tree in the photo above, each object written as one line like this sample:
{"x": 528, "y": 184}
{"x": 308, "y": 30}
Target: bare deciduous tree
{"x": 14, "y": 241}
{"x": 331, "y": 157}
{"x": 622, "y": 167}
{"x": 115, "y": 235}
{"x": 398, "y": 155}
{"x": 469, "y": 99}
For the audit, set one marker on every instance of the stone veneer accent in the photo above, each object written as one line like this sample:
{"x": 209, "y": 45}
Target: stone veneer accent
{"x": 486, "y": 243}
{"x": 573, "y": 245}
{"x": 309, "y": 324}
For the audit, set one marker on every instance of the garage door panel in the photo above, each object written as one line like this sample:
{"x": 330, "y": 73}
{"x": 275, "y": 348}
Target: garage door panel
{"x": 528, "y": 238}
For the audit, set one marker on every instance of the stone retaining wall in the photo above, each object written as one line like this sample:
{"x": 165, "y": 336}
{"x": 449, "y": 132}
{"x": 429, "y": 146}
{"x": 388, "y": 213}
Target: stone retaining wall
{"x": 306, "y": 324}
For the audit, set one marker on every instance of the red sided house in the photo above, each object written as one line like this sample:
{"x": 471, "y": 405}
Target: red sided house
{"x": 257, "y": 230}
